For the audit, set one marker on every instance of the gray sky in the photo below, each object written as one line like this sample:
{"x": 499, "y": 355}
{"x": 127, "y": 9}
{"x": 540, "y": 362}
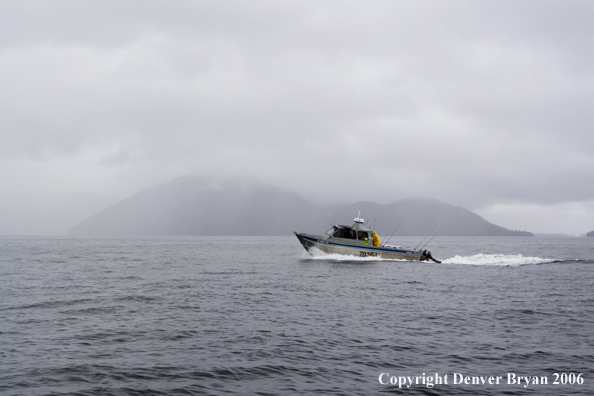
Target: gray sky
{"x": 484, "y": 104}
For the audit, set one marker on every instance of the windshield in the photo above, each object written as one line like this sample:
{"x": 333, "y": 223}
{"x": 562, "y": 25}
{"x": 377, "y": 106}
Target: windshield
{"x": 331, "y": 230}
{"x": 346, "y": 233}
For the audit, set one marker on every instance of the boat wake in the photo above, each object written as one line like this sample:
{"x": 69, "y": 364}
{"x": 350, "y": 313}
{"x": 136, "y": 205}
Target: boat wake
{"x": 497, "y": 259}
{"x": 477, "y": 259}
{"x": 316, "y": 254}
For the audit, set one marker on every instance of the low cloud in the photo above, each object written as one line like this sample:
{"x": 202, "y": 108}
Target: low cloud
{"x": 480, "y": 105}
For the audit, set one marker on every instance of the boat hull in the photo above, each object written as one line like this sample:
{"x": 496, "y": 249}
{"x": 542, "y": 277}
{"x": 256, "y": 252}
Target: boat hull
{"x": 310, "y": 242}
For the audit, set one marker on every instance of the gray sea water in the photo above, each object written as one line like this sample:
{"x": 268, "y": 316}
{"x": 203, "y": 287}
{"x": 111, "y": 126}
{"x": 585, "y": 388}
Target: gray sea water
{"x": 258, "y": 316}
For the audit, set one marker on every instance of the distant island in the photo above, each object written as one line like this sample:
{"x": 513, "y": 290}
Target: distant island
{"x": 559, "y": 235}
{"x": 590, "y": 234}
{"x": 191, "y": 206}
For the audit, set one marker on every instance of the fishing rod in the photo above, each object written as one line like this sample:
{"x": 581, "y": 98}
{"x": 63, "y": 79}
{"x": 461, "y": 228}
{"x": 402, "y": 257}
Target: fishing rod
{"x": 396, "y": 229}
{"x": 389, "y": 234}
{"x": 426, "y": 236}
{"x": 435, "y": 235}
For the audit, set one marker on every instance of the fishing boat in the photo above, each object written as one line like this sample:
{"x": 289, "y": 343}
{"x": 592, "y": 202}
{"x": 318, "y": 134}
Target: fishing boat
{"x": 360, "y": 241}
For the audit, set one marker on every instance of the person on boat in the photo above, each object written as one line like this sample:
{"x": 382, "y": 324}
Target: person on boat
{"x": 376, "y": 239}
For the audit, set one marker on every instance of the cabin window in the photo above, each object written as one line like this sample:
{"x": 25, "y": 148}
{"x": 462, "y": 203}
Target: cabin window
{"x": 340, "y": 233}
{"x": 331, "y": 231}
{"x": 345, "y": 233}
{"x": 362, "y": 236}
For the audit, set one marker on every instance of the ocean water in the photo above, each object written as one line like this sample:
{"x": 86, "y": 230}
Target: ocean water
{"x": 258, "y": 316}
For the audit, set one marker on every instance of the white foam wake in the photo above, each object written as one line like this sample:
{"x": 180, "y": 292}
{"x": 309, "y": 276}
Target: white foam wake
{"x": 496, "y": 259}
{"x": 316, "y": 254}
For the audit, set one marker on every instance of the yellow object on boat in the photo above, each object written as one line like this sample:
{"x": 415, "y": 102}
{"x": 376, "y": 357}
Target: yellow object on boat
{"x": 376, "y": 239}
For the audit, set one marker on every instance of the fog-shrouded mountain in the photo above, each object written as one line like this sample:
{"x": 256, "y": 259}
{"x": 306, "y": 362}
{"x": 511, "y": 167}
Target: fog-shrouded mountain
{"x": 192, "y": 206}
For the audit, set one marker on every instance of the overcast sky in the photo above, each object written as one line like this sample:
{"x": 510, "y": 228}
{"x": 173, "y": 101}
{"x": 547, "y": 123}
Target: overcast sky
{"x": 483, "y": 104}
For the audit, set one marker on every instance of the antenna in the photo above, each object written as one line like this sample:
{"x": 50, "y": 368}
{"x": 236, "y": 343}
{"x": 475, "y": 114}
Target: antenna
{"x": 358, "y": 219}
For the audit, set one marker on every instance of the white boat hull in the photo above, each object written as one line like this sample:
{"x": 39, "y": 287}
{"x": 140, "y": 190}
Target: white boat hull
{"x": 310, "y": 242}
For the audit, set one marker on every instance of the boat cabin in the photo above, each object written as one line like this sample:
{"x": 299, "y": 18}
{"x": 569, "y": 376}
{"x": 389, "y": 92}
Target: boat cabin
{"x": 350, "y": 235}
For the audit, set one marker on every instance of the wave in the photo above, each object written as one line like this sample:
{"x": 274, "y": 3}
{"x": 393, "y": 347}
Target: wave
{"x": 497, "y": 259}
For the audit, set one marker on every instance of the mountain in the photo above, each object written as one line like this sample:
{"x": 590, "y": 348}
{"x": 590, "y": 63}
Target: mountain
{"x": 420, "y": 217}
{"x": 557, "y": 235}
{"x": 191, "y": 206}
